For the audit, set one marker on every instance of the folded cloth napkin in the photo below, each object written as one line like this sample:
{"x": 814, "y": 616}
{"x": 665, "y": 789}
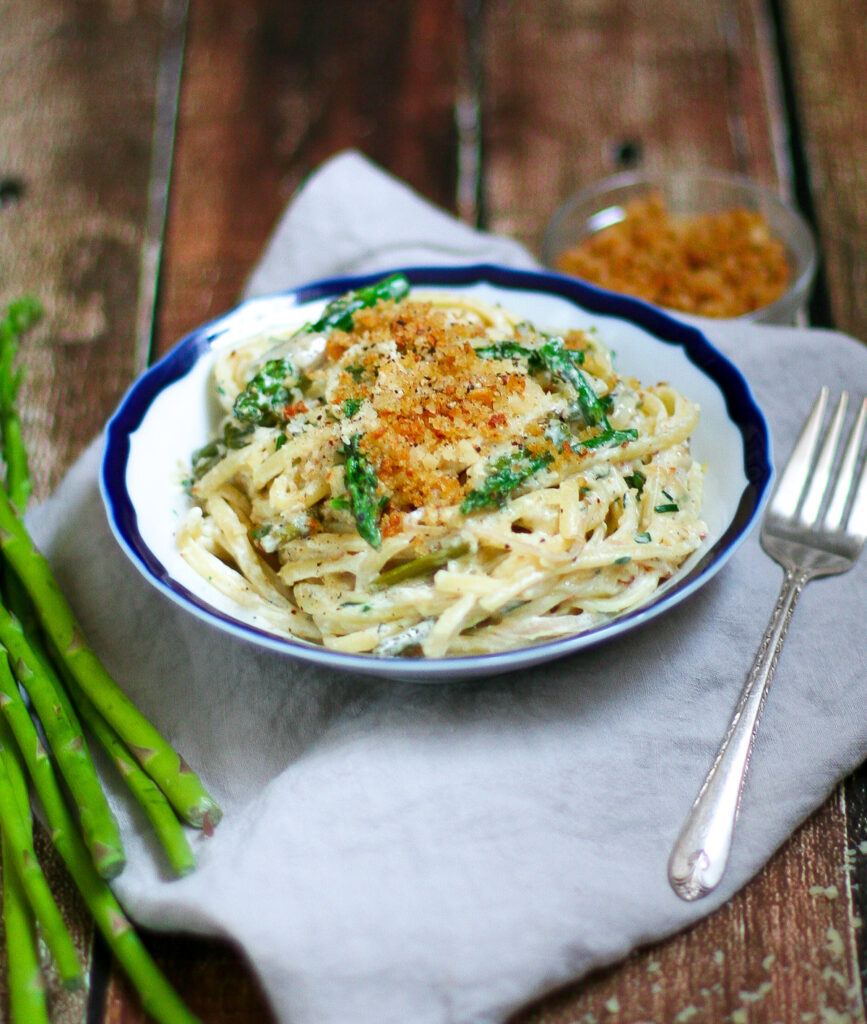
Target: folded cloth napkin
{"x": 445, "y": 853}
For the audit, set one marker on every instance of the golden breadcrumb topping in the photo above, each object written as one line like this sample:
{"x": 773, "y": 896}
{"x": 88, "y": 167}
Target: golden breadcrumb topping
{"x": 717, "y": 264}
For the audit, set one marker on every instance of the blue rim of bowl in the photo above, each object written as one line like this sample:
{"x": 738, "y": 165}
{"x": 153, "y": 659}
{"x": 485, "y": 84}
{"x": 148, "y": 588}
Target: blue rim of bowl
{"x": 741, "y": 407}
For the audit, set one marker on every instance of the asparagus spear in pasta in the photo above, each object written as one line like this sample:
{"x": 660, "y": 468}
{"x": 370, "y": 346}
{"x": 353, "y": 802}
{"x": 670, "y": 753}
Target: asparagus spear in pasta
{"x": 269, "y": 396}
{"x": 508, "y": 472}
{"x": 421, "y": 566}
{"x": 157, "y": 995}
{"x": 361, "y": 485}
{"x": 553, "y": 356}
{"x": 338, "y": 312}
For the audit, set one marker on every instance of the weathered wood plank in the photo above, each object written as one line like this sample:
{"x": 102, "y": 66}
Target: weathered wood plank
{"x": 827, "y": 43}
{"x": 77, "y": 96}
{"x": 297, "y": 82}
{"x": 828, "y": 57}
{"x": 677, "y": 84}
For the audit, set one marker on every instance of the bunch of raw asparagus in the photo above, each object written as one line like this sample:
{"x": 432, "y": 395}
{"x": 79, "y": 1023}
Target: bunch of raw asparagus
{"x": 50, "y": 682}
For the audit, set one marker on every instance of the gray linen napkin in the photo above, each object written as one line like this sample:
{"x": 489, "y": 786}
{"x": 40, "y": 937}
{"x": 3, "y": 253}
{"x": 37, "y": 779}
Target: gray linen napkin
{"x": 444, "y": 853}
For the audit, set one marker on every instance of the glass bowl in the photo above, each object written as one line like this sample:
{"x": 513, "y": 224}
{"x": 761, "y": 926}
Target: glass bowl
{"x": 692, "y": 195}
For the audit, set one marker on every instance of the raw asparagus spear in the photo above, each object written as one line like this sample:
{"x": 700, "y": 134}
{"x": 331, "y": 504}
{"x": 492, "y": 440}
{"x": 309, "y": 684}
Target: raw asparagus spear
{"x": 26, "y": 986}
{"x": 18, "y": 486}
{"x": 176, "y": 779}
{"x": 23, "y": 860}
{"x": 157, "y": 995}
{"x": 150, "y": 797}
{"x": 20, "y": 317}
{"x": 63, "y": 731}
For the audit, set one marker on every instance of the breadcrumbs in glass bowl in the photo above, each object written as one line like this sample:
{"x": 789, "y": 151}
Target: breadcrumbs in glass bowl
{"x": 709, "y": 245}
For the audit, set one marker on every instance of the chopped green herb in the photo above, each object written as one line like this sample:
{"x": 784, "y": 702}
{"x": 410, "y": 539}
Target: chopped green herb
{"x": 636, "y": 480}
{"x": 642, "y": 538}
{"x": 623, "y": 560}
{"x": 361, "y": 485}
{"x": 351, "y": 407}
{"x": 340, "y": 503}
{"x": 266, "y": 394}
{"x": 338, "y": 312}
{"x": 668, "y": 507}
{"x": 355, "y": 372}
{"x": 281, "y": 440}
{"x": 508, "y": 472}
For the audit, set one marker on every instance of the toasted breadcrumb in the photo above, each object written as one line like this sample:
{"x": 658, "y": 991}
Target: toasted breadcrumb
{"x": 429, "y": 393}
{"x": 721, "y": 264}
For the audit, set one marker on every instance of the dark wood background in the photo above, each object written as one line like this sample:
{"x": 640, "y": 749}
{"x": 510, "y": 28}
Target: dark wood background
{"x": 496, "y": 110}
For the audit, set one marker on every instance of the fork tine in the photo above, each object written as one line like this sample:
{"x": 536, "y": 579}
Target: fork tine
{"x": 824, "y": 465}
{"x": 858, "y": 516}
{"x": 788, "y": 492}
{"x": 837, "y": 507}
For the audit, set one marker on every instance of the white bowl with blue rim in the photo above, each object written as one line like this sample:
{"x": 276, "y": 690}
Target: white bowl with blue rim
{"x": 171, "y": 411}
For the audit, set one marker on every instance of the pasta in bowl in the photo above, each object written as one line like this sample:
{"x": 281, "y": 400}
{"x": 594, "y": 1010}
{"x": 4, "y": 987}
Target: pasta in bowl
{"x": 448, "y": 469}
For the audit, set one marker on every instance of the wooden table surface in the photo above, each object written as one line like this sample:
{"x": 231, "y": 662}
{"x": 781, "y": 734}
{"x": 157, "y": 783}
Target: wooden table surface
{"x": 496, "y": 110}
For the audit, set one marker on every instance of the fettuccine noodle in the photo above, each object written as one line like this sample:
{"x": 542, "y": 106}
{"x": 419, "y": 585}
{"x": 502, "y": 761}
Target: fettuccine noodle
{"x": 425, "y": 474}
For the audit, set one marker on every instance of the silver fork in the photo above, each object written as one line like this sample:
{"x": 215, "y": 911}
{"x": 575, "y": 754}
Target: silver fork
{"x": 805, "y": 547}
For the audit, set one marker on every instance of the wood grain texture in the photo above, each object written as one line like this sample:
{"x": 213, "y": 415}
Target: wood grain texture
{"x": 676, "y": 84}
{"x": 76, "y": 94}
{"x": 297, "y": 83}
{"x": 828, "y": 48}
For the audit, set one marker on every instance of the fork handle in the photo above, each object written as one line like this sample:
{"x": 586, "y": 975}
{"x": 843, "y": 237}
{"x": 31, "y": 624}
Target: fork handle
{"x": 701, "y": 852}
